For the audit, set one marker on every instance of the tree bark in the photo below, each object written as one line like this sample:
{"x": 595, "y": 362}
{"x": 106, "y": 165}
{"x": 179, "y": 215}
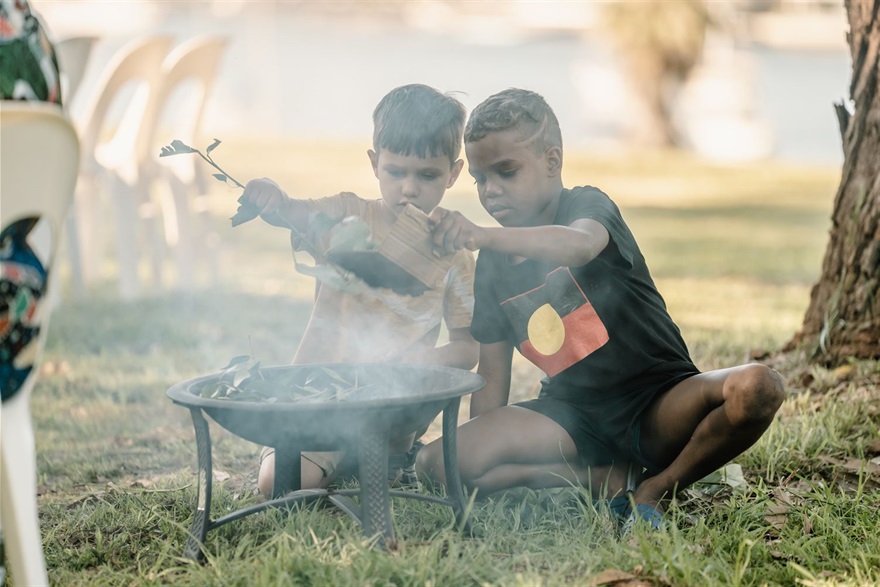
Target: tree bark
{"x": 843, "y": 318}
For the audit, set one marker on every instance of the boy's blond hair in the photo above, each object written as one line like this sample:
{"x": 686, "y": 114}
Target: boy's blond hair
{"x": 418, "y": 120}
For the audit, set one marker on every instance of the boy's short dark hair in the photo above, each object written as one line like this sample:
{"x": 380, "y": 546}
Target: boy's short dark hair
{"x": 418, "y": 120}
{"x": 527, "y": 113}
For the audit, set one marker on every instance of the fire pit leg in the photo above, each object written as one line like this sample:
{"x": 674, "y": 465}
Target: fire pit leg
{"x": 375, "y": 497}
{"x": 201, "y": 522}
{"x": 450, "y": 463}
{"x": 288, "y": 476}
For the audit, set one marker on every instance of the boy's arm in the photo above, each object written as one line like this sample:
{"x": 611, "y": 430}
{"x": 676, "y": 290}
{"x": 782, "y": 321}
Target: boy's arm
{"x": 461, "y": 352}
{"x": 567, "y": 246}
{"x": 275, "y": 206}
{"x": 495, "y": 363}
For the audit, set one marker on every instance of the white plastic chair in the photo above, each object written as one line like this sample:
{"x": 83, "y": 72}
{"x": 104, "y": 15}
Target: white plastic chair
{"x": 188, "y": 75}
{"x": 39, "y": 158}
{"x": 114, "y": 166}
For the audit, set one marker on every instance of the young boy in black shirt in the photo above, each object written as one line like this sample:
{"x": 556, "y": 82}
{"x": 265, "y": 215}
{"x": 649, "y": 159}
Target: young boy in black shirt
{"x": 563, "y": 281}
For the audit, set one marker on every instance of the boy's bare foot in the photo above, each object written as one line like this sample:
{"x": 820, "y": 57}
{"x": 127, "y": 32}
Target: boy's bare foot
{"x": 652, "y": 492}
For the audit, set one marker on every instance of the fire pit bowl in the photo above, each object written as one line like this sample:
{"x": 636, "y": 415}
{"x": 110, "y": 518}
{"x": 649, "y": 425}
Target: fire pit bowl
{"x": 352, "y": 407}
{"x": 397, "y": 398}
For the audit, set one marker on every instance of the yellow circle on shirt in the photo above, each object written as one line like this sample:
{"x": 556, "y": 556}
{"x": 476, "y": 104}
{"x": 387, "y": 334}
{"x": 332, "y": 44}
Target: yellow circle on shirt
{"x": 546, "y": 330}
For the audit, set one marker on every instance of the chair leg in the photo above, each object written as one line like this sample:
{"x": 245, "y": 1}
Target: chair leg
{"x": 150, "y": 214}
{"x": 86, "y": 230}
{"x": 197, "y": 249}
{"x": 74, "y": 252}
{"x": 18, "y": 493}
{"x": 126, "y": 239}
{"x": 185, "y": 247}
{"x": 208, "y": 246}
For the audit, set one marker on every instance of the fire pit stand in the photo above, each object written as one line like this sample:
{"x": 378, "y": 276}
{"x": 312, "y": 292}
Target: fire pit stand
{"x": 291, "y": 429}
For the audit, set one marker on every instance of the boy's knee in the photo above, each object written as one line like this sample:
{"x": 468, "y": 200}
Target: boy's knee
{"x": 266, "y": 477}
{"x": 429, "y": 462}
{"x": 759, "y": 389}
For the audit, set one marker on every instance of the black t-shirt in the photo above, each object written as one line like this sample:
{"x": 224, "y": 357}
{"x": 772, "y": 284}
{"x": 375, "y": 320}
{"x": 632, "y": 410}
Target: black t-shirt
{"x": 601, "y": 332}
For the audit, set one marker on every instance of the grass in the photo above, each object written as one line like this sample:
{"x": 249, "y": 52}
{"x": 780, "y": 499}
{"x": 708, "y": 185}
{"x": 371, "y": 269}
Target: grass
{"x": 734, "y": 251}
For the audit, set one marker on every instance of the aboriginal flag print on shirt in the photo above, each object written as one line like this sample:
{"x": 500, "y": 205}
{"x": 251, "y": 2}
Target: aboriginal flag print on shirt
{"x": 555, "y": 323}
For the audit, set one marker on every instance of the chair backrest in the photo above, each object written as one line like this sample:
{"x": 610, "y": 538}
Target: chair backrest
{"x": 139, "y": 61}
{"x": 195, "y": 60}
{"x": 40, "y": 160}
{"x": 73, "y": 57}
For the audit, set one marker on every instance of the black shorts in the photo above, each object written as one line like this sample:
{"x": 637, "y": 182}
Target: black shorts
{"x": 592, "y": 447}
{"x": 597, "y": 444}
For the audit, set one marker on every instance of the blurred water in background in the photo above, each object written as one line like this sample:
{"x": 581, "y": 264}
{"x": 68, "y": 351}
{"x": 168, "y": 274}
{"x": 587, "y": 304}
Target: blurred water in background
{"x": 293, "y": 71}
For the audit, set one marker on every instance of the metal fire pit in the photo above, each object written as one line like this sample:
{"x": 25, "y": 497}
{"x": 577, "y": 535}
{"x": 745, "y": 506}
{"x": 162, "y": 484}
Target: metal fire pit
{"x": 409, "y": 399}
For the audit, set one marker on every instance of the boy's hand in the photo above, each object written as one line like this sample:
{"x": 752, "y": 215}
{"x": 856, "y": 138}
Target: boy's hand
{"x": 266, "y": 196}
{"x": 453, "y": 232}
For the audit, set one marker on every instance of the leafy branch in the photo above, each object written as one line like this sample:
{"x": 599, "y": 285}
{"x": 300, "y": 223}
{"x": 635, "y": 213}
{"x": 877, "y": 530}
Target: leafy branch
{"x": 246, "y": 211}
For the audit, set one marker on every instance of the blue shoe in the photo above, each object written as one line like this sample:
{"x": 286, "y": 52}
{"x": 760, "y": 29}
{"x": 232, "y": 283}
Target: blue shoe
{"x": 618, "y": 506}
{"x": 642, "y": 514}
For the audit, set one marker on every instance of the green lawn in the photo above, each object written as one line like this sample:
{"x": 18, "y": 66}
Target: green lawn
{"x": 734, "y": 251}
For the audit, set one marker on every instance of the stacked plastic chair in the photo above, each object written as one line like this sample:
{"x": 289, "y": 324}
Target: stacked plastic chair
{"x": 120, "y": 173}
{"x": 111, "y": 174}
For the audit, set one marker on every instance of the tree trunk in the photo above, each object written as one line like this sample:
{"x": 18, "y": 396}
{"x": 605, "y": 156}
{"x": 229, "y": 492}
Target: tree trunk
{"x": 660, "y": 43}
{"x": 843, "y": 319}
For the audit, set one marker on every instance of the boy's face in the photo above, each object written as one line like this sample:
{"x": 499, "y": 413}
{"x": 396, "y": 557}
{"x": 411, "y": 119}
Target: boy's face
{"x": 516, "y": 184}
{"x": 407, "y": 179}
